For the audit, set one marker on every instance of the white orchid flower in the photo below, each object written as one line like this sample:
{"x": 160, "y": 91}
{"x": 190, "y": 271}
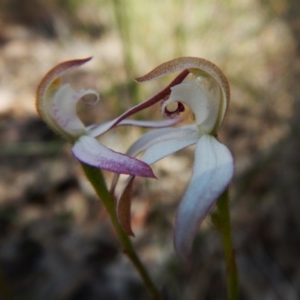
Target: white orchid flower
{"x": 207, "y": 95}
{"x": 56, "y": 104}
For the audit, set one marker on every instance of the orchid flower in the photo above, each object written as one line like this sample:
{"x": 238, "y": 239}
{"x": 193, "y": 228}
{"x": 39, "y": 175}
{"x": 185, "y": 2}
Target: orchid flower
{"x": 207, "y": 95}
{"x": 56, "y": 104}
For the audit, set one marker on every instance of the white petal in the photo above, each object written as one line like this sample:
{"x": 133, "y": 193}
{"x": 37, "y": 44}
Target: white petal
{"x": 89, "y": 151}
{"x": 162, "y": 142}
{"x": 204, "y": 102}
{"x": 150, "y": 124}
{"x": 212, "y": 80}
{"x": 96, "y": 130}
{"x": 189, "y": 93}
{"x": 62, "y": 108}
{"x": 212, "y": 90}
{"x": 212, "y": 172}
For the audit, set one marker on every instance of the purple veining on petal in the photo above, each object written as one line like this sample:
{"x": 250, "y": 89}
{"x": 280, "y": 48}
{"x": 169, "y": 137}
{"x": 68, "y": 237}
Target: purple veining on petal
{"x": 89, "y": 151}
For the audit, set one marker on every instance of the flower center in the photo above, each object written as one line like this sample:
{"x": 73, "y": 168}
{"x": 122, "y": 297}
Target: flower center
{"x": 173, "y": 109}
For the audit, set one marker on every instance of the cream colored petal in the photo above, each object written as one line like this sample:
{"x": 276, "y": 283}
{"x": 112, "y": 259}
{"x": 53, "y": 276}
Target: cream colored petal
{"x": 200, "y": 68}
{"x": 62, "y": 110}
{"x": 204, "y": 104}
{"x": 47, "y": 88}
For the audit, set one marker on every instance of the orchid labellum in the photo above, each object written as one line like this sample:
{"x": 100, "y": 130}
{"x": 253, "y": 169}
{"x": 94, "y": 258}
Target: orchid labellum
{"x": 207, "y": 95}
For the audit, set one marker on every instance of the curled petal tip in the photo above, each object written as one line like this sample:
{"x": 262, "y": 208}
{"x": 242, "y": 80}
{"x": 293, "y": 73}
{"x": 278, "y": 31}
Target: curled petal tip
{"x": 52, "y": 79}
{"x": 189, "y": 63}
{"x": 59, "y": 69}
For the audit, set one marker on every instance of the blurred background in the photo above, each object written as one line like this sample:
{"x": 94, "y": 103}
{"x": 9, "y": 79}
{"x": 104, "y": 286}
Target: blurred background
{"x": 55, "y": 238}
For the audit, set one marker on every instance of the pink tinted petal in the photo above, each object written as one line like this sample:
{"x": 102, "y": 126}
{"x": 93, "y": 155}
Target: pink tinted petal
{"x": 89, "y": 151}
{"x": 212, "y": 172}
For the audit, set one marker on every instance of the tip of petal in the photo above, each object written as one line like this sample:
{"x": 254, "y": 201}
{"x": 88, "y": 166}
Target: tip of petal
{"x": 146, "y": 172}
{"x": 190, "y": 63}
{"x": 52, "y": 76}
{"x": 89, "y": 151}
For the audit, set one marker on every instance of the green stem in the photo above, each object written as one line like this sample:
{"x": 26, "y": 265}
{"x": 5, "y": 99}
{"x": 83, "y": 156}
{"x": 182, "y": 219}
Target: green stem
{"x": 229, "y": 252}
{"x": 97, "y": 180}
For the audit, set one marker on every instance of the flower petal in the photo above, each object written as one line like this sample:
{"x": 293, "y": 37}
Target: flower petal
{"x": 89, "y": 151}
{"x": 62, "y": 110}
{"x": 49, "y": 84}
{"x": 212, "y": 172}
{"x": 203, "y": 97}
{"x": 159, "y": 146}
{"x": 189, "y": 93}
{"x": 190, "y": 63}
{"x": 124, "y": 207}
{"x": 160, "y": 143}
{"x": 96, "y": 130}
{"x": 139, "y": 107}
{"x": 155, "y": 136}
{"x": 199, "y": 67}
{"x": 56, "y": 103}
